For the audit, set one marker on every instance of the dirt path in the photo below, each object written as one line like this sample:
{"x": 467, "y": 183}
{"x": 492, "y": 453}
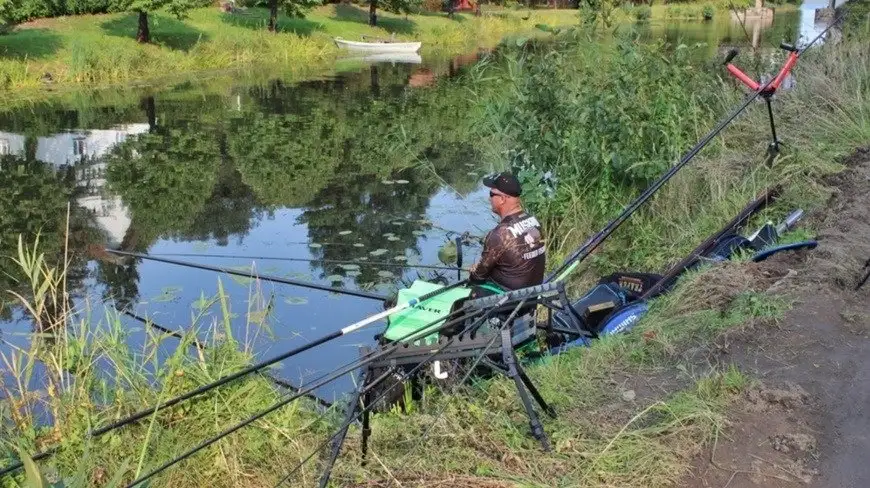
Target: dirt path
{"x": 808, "y": 422}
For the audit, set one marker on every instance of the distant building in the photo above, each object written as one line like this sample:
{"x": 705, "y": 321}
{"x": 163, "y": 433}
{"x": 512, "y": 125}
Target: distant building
{"x": 83, "y": 150}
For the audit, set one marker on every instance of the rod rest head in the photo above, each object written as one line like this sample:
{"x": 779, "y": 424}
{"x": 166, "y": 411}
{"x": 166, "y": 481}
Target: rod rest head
{"x": 514, "y": 296}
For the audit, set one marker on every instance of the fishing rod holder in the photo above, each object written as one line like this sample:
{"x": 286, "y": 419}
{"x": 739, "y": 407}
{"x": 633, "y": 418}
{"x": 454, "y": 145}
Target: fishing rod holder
{"x": 766, "y": 89}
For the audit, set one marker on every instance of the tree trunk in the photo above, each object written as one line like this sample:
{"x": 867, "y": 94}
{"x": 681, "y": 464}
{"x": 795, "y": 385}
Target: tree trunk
{"x": 758, "y": 5}
{"x": 273, "y": 15}
{"x": 373, "y": 17}
{"x": 147, "y": 104}
{"x": 144, "y": 35}
{"x": 376, "y": 81}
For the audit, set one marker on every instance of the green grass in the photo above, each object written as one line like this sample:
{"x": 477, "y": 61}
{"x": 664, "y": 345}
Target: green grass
{"x": 101, "y": 49}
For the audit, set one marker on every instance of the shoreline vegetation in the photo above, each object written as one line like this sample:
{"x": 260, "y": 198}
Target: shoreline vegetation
{"x": 95, "y": 50}
{"x": 610, "y": 431}
{"x": 84, "y": 51}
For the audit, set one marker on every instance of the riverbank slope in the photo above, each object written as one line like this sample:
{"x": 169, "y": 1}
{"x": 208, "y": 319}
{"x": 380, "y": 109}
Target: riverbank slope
{"x": 101, "y": 49}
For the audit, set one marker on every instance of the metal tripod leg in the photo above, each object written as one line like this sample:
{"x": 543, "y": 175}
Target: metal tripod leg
{"x": 513, "y": 372}
{"x": 535, "y": 393}
{"x": 773, "y": 148}
{"x": 349, "y": 413}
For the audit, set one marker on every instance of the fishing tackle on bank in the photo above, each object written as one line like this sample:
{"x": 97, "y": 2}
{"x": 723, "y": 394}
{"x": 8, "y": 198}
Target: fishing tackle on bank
{"x": 441, "y": 326}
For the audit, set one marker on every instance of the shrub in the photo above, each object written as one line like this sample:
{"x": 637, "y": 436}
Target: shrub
{"x": 642, "y": 13}
{"x": 708, "y": 12}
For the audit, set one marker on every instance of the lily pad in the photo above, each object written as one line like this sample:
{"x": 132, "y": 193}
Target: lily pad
{"x": 242, "y": 280}
{"x": 424, "y": 222}
{"x": 345, "y": 232}
{"x": 386, "y": 274}
{"x": 315, "y": 245}
{"x": 397, "y": 222}
{"x": 387, "y": 182}
{"x": 298, "y": 276}
{"x": 295, "y": 300}
{"x": 358, "y": 244}
{"x": 349, "y": 266}
{"x": 418, "y": 233}
{"x": 388, "y": 234}
{"x": 378, "y": 252}
{"x": 335, "y": 278}
{"x": 201, "y": 303}
{"x": 401, "y": 258}
{"x": 393, "y": 238}
{"x": 402, "y": 182}
{"x": 472, "y": 173}
{"x": 259, "y": 316}
{"x": 447, "y": 253}
{"x": 362, "y": 258}
{"x": 353, "y": 273}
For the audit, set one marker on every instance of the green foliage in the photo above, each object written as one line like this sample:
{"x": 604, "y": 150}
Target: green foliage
{"x": 708, "y": 12}
{"x": 165, "y": 177}
{"x": 642, "y": 13}
{"x": 611, "y": 132}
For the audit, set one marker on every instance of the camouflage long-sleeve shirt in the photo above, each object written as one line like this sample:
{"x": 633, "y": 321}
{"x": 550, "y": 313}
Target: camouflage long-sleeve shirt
{"x": 513, "y": 255}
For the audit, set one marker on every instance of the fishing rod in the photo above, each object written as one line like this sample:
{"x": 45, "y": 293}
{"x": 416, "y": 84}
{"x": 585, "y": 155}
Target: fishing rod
{"x": 308, "y": 260}
{"x": 760, "y": 90}
{"x": 468, "y": 329}
{"x": 256, "y": 367}
{"x": 305, "y": 389}
{"x": 202, "y": 347}
{"x": 275, "y": 279}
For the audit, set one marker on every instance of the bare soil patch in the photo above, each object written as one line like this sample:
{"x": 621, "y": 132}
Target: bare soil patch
{"x": 807, "y": 422}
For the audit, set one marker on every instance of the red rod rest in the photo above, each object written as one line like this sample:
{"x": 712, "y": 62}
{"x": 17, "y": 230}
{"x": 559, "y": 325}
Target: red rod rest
{"x": 734, "y": 70}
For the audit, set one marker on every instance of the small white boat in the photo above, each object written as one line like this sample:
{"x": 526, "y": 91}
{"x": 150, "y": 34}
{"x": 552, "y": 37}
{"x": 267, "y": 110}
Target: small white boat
{"x": 380, "y": 47}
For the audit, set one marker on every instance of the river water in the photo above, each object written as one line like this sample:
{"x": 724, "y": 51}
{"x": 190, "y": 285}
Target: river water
{"x": 372, "y": 163}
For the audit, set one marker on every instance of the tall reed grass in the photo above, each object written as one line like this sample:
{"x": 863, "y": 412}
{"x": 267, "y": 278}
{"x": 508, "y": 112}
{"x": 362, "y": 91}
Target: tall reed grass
{"x": 82, "y": 371}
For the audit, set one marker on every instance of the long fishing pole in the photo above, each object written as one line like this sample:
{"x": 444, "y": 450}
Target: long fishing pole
{"x": 308, "y": 260}
{"x": 275, "y": 279}
{"x": 586, "y": 249}
{"x": 470, "y": 328}
{"x": 253, "y": 368}
{"x": 316, "y": 384}
{"x": 142, "y": 414}
{"x": 201, "y": 346}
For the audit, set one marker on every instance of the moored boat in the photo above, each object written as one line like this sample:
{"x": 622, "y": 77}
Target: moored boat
{"x": 380, "y": 46}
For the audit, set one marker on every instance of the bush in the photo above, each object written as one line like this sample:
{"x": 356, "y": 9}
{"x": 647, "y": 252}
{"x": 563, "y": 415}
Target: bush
{"x": 642, "y": 13}
{"x": 432, "y": 5}
{"x": 708, "y": 12}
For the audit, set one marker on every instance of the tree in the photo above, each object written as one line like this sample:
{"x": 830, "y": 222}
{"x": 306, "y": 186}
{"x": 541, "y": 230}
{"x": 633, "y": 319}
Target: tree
{"x": 293, "y": 8}
{"x": 394, "y": 6}
{"x": 178, "y": 8}
{"x": 6, "y": 9}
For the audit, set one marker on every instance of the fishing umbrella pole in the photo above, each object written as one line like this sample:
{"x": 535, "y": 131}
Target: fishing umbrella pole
{"x": 765, "y": 90}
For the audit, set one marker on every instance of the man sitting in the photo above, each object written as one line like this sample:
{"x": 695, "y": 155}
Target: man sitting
{"x": 513, "y": 255}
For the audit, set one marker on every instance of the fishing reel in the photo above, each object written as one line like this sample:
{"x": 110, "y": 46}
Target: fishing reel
{"x": 766, "y": 87}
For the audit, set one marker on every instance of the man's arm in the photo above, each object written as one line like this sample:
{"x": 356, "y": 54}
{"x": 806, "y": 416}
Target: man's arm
{"x": 493, "y": 248}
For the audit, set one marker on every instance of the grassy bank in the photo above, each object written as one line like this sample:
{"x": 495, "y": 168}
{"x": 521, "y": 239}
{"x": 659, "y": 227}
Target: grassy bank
{"x": 632, "y": 409}
{"x": 101, "y": 49}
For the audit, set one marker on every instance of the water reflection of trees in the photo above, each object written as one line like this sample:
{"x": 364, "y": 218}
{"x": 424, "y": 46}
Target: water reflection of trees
{"x": 206, "y": 167}
{"x": 34, "y": 196}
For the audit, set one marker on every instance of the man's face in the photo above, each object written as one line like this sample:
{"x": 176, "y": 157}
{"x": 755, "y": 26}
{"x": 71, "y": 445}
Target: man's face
{"x": 496, "y": 200}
